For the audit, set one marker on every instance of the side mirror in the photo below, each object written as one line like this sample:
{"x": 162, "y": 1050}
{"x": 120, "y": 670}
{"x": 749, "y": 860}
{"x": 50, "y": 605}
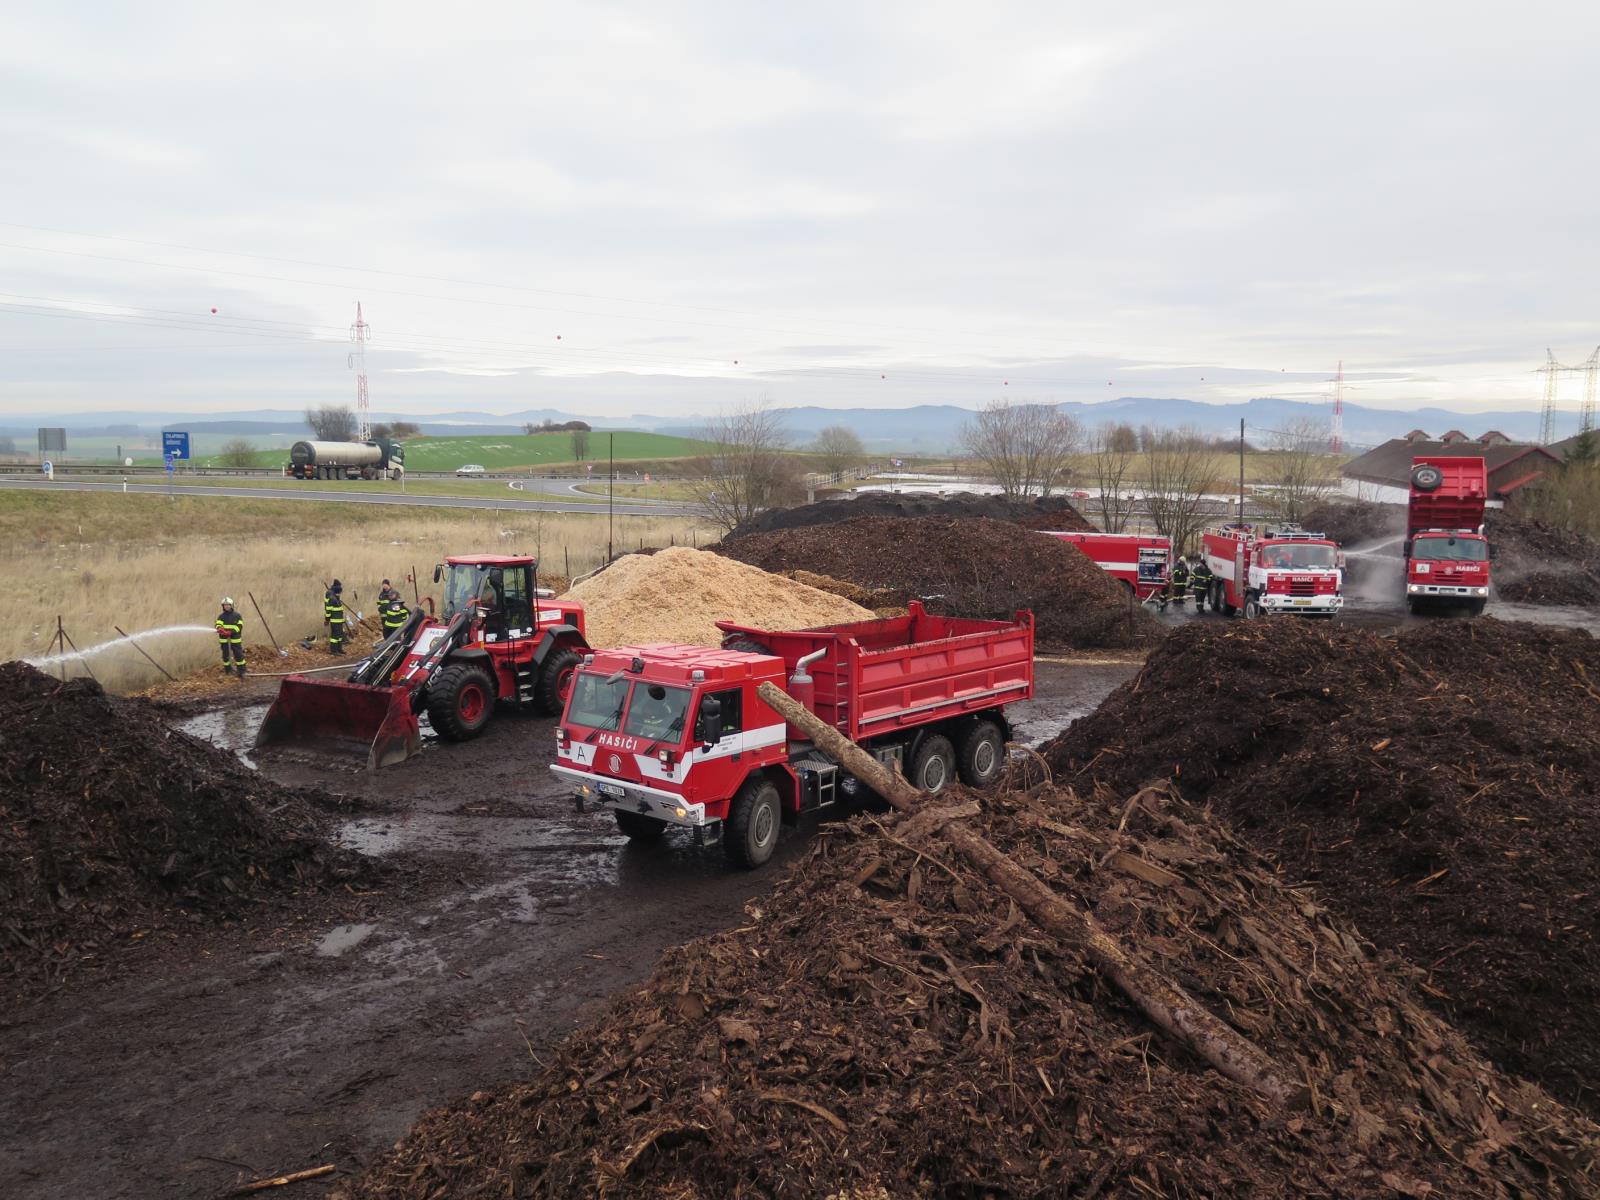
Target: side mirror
{"x": 438, "y": 572}
{"x": 710, "y": 721}
{"x": 1491, "y": 551}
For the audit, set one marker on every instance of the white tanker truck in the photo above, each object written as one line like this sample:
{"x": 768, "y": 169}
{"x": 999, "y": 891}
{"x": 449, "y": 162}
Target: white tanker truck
{"x": 377, "y": 459}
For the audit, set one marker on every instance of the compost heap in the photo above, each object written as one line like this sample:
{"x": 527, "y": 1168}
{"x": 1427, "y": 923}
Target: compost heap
{"x": 1051, "y": 512}
{"x": 679, "y": 594}
{"x": 888, "y": 1024}
{"x": 1536, "y": 563}
{"x": 1440, "y": 787}
{"x": 970, "y": 567}
{"x": 1351, "y": 523}
{"x": 112, "y": 823}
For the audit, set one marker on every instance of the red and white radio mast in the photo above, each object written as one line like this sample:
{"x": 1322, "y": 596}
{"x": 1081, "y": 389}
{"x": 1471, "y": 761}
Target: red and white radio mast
{"x": 1335, "y": 427}
{"x": 359, "y": 332}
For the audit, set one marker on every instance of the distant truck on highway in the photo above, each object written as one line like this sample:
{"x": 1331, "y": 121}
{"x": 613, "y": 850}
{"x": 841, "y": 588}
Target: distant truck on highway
{"x": 380, "y": 458}
{"x": 677, "y": 735}
{"x": 1257, "y": 572}
{"x": 1447, "y": 554}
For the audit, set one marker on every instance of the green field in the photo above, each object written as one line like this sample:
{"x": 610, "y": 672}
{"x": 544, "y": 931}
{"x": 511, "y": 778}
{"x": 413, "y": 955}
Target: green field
{"x": 512, "y": 451}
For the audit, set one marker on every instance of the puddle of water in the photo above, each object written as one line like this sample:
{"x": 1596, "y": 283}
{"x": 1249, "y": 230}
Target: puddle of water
{"x": 231, "y": 729}
{"x": 341, "y": 938}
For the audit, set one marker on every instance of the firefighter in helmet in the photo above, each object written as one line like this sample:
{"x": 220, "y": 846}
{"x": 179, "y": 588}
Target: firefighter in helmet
{"x": 1178, "y": 577}
{"x": 333, "y": 616}
{"x": 388, "y": 593}
{"x": 230, "y": 638}
{"x": 1200, "y": 582}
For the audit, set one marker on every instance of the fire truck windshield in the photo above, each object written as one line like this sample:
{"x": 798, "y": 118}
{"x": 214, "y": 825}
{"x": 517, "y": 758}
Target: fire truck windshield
{"x": 1449, "y": 549}
{"x": 657, "y": 712}
{"x": 1287, "y": 556}
{"x": 598, "y": 701}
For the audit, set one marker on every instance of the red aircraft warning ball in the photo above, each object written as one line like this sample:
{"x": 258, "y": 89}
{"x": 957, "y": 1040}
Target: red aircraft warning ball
{"x": 213, "y": 310}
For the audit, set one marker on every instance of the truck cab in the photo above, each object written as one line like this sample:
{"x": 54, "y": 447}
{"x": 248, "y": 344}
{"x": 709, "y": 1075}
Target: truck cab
{"x": 1275, "y": 570}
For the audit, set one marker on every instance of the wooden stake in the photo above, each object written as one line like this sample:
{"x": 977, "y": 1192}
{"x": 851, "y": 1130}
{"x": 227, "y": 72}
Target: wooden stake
{"x": 262, "y": 1185}
{"x": 265, "y": 626}
{"x": 152, "y": 661}
{"x": 1166, "y": 1004}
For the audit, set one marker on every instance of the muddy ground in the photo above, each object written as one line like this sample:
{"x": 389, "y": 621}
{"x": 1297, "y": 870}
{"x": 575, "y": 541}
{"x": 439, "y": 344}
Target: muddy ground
{"x": 190, "y": 1065}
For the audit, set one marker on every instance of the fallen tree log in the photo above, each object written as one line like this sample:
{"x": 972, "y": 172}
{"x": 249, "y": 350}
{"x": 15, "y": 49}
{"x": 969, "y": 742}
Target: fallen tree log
{"x": 1163, "y": 1002}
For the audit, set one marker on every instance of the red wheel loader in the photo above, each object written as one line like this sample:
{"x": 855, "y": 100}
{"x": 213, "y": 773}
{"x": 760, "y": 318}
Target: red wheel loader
{"x": 495, "y": 638}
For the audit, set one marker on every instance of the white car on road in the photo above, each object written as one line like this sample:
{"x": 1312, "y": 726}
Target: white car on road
{"x": 469, "y": 469}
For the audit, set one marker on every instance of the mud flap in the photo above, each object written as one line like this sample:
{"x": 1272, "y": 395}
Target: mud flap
{"x": 311, "y": 711}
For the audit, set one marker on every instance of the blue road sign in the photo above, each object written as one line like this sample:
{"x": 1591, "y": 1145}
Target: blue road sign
{"x": 172, "y": 464}
{"x": 174, "y": 445}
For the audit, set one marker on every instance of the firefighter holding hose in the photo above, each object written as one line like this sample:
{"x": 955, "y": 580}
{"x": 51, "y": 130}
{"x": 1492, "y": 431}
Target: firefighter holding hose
{"x": 333, "y": 616}
{"x": 230, "y": 637}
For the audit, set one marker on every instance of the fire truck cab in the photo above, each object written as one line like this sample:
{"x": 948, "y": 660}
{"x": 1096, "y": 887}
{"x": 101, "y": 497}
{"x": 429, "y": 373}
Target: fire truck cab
{"x": 1285, "y": 569}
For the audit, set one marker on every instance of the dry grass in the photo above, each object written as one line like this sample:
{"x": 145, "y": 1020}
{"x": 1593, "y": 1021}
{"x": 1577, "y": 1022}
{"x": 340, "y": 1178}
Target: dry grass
{"x": 148, "y": 562}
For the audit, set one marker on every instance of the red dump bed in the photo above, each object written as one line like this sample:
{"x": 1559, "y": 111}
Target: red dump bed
{"x": 1457, "y": 503}
{"x": 897, "y": 672}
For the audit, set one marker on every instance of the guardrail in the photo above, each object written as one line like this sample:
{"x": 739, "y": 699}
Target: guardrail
{"x": 277, "y": 473}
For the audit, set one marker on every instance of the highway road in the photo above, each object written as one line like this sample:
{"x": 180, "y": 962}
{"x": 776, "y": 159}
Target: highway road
{"x": 505, "y": 502}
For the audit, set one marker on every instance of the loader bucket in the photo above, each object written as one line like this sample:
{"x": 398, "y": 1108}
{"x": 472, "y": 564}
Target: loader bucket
{"x": 312, "y": 711}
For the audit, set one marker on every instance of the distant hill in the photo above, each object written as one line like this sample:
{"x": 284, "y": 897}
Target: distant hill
{"x": 917, "y": 429}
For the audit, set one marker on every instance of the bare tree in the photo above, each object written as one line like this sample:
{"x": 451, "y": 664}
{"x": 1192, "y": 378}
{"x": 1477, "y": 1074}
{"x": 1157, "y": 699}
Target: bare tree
{"x": 332, "y": 423}
{"x": 1303, "y": 474}
{"x": 746, "y": 468}
{"x": 1179, "y": 466}
{"x": 1113, "y": 450}
{"x": 580, "y": 444}
{"x": 838, "y": 448}
{"x": 404, "y": 429}
{"x": 382, "y": 430}
{"x": 238, "y": 453}
{"x": 1024, "y": 447}
{"x": 8, "y": 445}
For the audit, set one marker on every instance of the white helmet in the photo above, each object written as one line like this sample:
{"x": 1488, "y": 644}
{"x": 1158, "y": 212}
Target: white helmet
{"x": 227, "y": 602}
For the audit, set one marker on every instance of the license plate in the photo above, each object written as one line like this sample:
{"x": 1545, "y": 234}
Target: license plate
{"x": 614, "y": 790}
{"x": 1303, "y": 602}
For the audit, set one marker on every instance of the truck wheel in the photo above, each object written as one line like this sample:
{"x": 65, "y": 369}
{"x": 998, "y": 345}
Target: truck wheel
{"x": 555, "y": 681}
{"x": 1475, "y": 608}
{"x": 753, "y": 824}
{"x": 983, "y": 755}
{"x": 460, "y": 701}
{"x": 637, "y": 827}
{"x": 747, "y": 646}
{"x": 1252, "y": 607}
{"x": 933, "y": 766}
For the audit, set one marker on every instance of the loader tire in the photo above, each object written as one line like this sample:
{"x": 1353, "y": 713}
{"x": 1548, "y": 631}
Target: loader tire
{"x": 637, "y": 827}
{"x": 983, "y": 755}
{"x": 747, "y": 646}
{"x": 754, "y": 820}
{"x": 555, "y": 681}
{"x": 460, "y": 702}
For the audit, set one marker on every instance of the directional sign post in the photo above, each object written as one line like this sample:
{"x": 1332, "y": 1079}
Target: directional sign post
{"x": 174, "y": 445}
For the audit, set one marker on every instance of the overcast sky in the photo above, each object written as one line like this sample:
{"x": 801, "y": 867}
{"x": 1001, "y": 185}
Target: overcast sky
{"x": 839, "y": 204}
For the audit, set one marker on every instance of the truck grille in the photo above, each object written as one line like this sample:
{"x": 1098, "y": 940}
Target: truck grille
{"x": 1302, "y": 587}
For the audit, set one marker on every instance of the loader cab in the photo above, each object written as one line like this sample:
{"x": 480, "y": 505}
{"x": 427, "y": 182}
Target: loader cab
{"x": 498, "y": 590}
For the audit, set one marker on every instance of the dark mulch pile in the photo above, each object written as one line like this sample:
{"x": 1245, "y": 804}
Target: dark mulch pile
{"x": 1442, "y": 788}
{"x": 972, "y": 567}
{"x": 887, "y": 1024}
{"x": 1536, "y": 563}
{"x": 112, "y": 823}
{"x": 1053, "y": 512}
{"x": 1351, "y": 522}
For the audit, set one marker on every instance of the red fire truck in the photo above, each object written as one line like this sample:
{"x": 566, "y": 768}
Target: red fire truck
{"x": 1138, "y": 561}
{"x": 1447, "y": 556}
{"x": 1280, "y": 570}
{"x": 676, "y": 735}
